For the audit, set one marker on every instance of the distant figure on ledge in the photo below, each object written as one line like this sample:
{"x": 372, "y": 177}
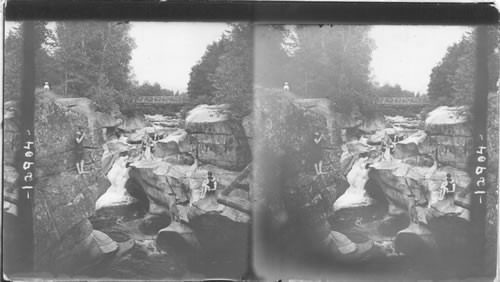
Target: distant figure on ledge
{"x": 317, "y": 153}
{"x": 286, "y": 87}
{"x": 46, "y": 86}
{"x": 209, "y": 186}
{"x": 79, "y": 150}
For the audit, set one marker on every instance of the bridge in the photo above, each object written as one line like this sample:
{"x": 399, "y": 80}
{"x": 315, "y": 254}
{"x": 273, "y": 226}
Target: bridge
{"x": 161, "y": 100}
{"x": 402, "y": 101}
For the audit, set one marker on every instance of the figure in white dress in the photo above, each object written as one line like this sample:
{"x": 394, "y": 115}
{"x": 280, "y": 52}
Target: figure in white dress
{"x": 286, "y": 87}
{"x": 46, "y": 86}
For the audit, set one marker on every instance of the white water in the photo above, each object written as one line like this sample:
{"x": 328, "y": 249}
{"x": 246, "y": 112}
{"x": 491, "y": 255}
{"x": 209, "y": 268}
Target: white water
{"x": 116, "y": 193}
{"x": 355, "y": 195}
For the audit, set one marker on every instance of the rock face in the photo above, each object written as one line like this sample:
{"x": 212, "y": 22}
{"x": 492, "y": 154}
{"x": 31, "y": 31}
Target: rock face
{"x": 216, "y": 139}
{"x": 287, "y": 125}
{"x": 159, "y": 178}
{"x": 449, "y": 138}
{"x": 11, "y": 135}
{"x": 134, "y": 122}
{"x": 11, "y": 143}
{"x": 63, "y": 199}
{"x": 248, "y": 126}
{"x": 175, "y": 143}
{"x": 14, "y": 238}
{"x": 373, "y": 124}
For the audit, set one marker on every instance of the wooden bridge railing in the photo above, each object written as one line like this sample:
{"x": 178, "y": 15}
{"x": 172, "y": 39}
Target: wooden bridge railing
{"x": 402, "y": 101}
{"x": 161, "y": 100}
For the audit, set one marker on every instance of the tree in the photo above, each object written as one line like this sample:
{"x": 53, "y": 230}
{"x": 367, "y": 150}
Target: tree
{"x": 44, "y": 62}
{"x": 440, "y": 87}
{"x": 93, "y": 59}
{"x": 333, "y": 62}
{"x": 200, "y": 85}
{"x": 233, "y": 78}
{"x": 270, "y": 58}
{"x": 392, "y": 91}
{"x": 452, "y": 80}
{"x": 147, "y": 89}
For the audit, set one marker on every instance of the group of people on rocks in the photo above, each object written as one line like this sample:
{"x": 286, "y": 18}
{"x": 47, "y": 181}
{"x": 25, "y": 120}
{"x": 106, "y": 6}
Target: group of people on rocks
{"x": 387, "y": 147}
{"x": 148, "y": 143}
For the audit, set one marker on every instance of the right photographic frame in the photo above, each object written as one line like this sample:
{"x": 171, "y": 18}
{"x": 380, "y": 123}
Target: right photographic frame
{"x": 375, "y": 151}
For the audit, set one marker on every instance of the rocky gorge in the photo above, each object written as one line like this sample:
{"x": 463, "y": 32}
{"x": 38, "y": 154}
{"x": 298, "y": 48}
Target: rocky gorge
{"x": 145, "y": 216}
{"x": 385, "y": 198}
{"x": 130, "y": 216}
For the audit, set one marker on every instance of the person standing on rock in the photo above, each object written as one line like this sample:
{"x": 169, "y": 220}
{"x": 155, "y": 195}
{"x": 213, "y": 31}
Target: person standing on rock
{"x": 79, "y": 150}
{"x": 317, "y": 153}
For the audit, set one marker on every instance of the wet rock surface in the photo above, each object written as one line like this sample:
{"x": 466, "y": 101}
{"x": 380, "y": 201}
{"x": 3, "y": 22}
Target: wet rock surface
{"x": 64, "y": 200}
{"x": 216, "y": 139}
{"x": 407, "y": 190}
{"x": 171, "y": 222}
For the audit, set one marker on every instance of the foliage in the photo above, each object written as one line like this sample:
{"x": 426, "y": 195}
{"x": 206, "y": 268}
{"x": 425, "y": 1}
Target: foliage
{"x": 13, "y": 49}
{"x": 333, "y": 62}
{"x": 392, "y": 91}
{"x": 233, "y": 79}
{"x": 452, "y": 80}
{"x": 93, "y": 60}
{"x": 200, "y": 86}
{"x": 270, "y": 59}
{"x": 147, "y": 89}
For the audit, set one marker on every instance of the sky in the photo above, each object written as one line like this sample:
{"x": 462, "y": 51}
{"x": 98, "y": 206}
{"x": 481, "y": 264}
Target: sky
{"x": 404, "y": 55}
{"x": 166, "y": 52}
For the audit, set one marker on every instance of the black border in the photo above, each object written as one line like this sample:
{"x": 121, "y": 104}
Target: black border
{"x": 258, "y": 11}
{"x": 255, "y": 11}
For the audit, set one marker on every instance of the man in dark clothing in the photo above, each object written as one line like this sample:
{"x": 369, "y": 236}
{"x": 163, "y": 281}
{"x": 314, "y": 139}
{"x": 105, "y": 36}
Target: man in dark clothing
{"x": 79, "y": 150}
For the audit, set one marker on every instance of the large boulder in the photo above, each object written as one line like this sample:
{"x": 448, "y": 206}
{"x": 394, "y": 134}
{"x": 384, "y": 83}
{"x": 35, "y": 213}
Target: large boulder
{"x": 449, "y": 136}
{"x": 158, "y": 178}
{"x": 248, "y": 125}
{"x": 373, "y": 124}
{"x": 11, "y": 137}
{"x": 63, "y": 199}
{"x": 286, "y": 125}
{"x": 217, "y": 139}
{"x": 134, "y": 122}
{"x": 13, "y": 243}
{"x": 173, "y": 144}
{"x": 56, "y": 124}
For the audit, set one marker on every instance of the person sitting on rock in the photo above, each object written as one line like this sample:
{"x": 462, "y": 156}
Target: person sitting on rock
{"x": 79, "y": 150}
{"x": 209, "y": 185}
{"x": 317, "y": 153}
{"x": 46, "y": 86}
{"x": 447, "y": 187}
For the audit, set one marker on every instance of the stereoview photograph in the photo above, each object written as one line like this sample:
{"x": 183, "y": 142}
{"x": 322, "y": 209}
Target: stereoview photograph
{"x": 368, "y": 156}
{"x": 191, "y": 151}
{"x": 141, "y": 171}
